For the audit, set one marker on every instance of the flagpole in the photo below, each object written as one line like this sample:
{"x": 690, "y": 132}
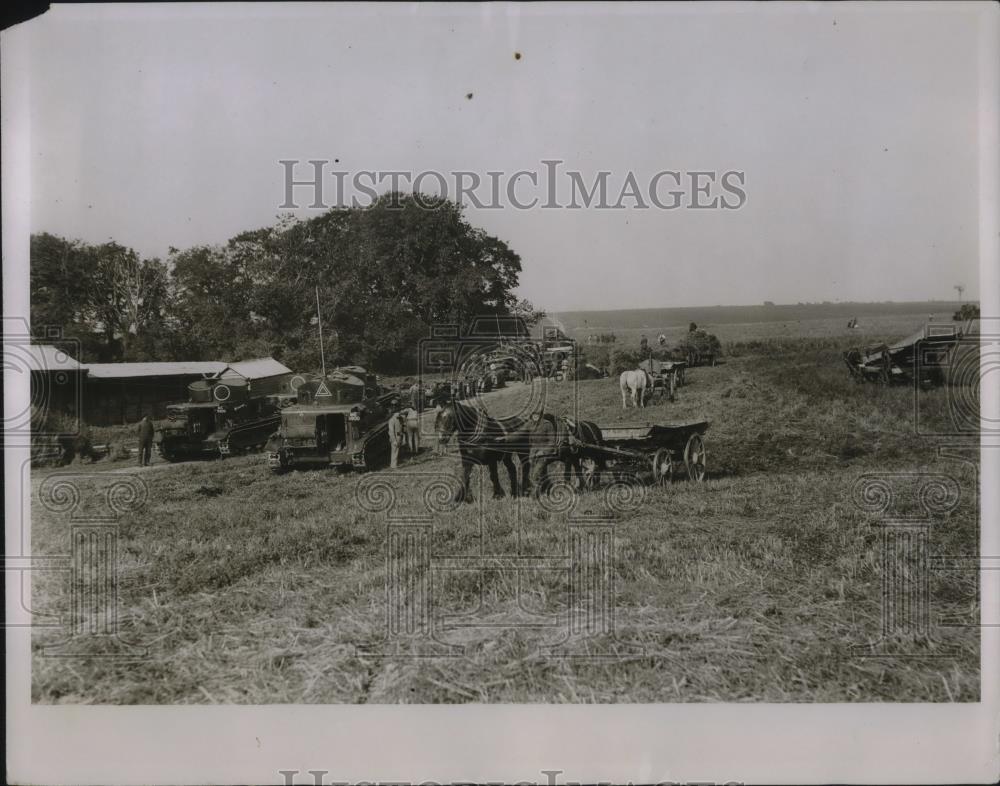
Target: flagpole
{"x": 319, "y": 322}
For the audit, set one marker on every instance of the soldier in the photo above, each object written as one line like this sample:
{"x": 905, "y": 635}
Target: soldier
{"x": 395, "y": 438}
{"x": 145, "y": 441}
{"x": 411, "y": 419}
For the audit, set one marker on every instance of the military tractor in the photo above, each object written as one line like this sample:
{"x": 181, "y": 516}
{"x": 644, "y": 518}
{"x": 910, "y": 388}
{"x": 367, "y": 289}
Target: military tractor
{"x": 339, "y": 420}
{"x": 220, "y": 418}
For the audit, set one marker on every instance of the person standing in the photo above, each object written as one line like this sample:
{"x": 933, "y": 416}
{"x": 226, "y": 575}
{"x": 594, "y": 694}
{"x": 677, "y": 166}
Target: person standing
{"x": 441, "y": 444}
{"x": 411, "y": 419}
{"x": 395, "y": 438}
{"x": 145, "y": 441}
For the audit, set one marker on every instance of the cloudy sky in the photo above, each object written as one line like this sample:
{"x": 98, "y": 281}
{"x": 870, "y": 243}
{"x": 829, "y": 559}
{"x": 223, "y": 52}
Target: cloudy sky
{"x": 855, "y": 126}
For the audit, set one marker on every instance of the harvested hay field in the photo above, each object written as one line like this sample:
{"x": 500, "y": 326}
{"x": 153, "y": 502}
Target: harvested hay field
{"x": 762, "y": 584}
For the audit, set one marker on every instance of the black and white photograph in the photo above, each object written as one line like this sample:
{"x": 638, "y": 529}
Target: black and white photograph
{"x": 549, "y": 373}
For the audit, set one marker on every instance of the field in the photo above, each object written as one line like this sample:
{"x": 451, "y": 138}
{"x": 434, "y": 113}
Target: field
{"x": 761, "y": 584}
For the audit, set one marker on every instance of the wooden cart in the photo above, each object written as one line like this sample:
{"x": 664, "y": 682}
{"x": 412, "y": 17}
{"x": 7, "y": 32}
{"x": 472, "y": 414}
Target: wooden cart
{"x": 668, "y": 452}
{"x": 667, "y": 375}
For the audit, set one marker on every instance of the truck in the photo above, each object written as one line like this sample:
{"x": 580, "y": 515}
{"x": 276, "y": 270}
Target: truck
{"x": 339, "y": 420}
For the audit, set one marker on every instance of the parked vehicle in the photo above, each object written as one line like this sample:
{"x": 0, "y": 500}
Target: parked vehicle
{"x": 340, "y": 420}
{"x": 922, "y": 357}
{"x": 220, "y": 419}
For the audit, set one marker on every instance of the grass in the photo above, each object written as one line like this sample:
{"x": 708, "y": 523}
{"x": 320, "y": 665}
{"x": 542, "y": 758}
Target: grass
{"x": 753, "y": 586}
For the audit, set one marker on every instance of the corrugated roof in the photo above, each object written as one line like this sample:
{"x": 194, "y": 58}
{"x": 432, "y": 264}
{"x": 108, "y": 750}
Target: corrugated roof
{"x": 170, "y": 369}
{"x": 258, "y": 368}
{"x": 45, "y": 357}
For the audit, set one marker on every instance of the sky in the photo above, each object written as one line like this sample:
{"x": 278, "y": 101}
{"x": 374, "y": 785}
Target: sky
{"x": 855, "y": 128}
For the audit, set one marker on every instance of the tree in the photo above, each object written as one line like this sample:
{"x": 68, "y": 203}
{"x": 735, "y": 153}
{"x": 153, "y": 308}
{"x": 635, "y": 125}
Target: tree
{"x": 384, "y": 274}
{"x": 58, "y": 268}
{"x": 104, "y": 296}
{"x": 125, "y": 294}
{"x": 526, "y": 311}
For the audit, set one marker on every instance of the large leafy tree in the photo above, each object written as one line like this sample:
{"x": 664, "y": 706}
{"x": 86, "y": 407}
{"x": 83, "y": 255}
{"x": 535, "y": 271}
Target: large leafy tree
{"x": 106, "y": 296}
{"x": 59, "y": 269}
{"x": 382, "y": 275}
{"x": 125, "y": 295}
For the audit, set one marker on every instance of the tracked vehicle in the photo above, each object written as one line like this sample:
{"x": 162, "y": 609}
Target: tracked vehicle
{"x": 220, "y": 418}
{"x": 339, "y": 420}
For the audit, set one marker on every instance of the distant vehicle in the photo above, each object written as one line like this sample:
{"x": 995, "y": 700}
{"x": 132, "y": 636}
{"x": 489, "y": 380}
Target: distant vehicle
{"x": 698, "y": 348}
{"x": 340, "y": 420}
{"x": 924, "y": 355}
{"x": 220, "y": 419}
{"x": 667, "y": 375}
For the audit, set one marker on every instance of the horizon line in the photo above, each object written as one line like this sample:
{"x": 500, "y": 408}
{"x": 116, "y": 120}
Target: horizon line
{"x": 768, "y": 305}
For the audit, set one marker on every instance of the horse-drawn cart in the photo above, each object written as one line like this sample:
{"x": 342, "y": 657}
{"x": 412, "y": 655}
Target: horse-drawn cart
{"x": 667, "y": 375}
{"x": 665, "y": 452}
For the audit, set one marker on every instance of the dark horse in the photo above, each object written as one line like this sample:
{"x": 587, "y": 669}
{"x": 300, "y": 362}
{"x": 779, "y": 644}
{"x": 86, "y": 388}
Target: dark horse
{"x": 560, "y": 439}
{"x": 487, "y": 441}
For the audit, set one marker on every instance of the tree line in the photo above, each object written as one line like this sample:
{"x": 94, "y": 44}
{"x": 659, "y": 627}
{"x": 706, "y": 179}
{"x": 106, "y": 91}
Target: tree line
{"x": 385, "y": 273}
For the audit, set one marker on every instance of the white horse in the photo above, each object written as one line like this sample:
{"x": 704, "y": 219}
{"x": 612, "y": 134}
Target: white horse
{"x": 636, "y": 382}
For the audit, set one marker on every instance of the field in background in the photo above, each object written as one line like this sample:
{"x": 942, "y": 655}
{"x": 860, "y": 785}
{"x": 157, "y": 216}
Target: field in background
{"x": 871, "y": 329}
{"x": 650, "y": 318}
{"x": 753, "y": 586}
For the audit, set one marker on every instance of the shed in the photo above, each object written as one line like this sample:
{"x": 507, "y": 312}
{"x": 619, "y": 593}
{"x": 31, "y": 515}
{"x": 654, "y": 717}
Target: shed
{"x": 264, "y": 376}
{"x": 120, "y": 393}
{"x": 56, "y": 378}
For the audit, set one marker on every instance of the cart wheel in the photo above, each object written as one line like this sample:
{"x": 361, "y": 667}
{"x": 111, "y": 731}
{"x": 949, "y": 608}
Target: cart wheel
{"x": 663, "y": 467}
{"x": 694, "y": 458}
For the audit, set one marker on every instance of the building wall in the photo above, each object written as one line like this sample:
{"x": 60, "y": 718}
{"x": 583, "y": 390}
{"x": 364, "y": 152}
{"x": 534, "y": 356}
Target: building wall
{"x": 115, "y": 402}
{"x": 57, "y": 391}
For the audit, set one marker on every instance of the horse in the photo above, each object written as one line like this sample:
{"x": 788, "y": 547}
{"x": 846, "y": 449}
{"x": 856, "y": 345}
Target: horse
{"x": 558, "y": 439}
{"x": 636, "y": 382}
{"x": 487, "y": 441}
